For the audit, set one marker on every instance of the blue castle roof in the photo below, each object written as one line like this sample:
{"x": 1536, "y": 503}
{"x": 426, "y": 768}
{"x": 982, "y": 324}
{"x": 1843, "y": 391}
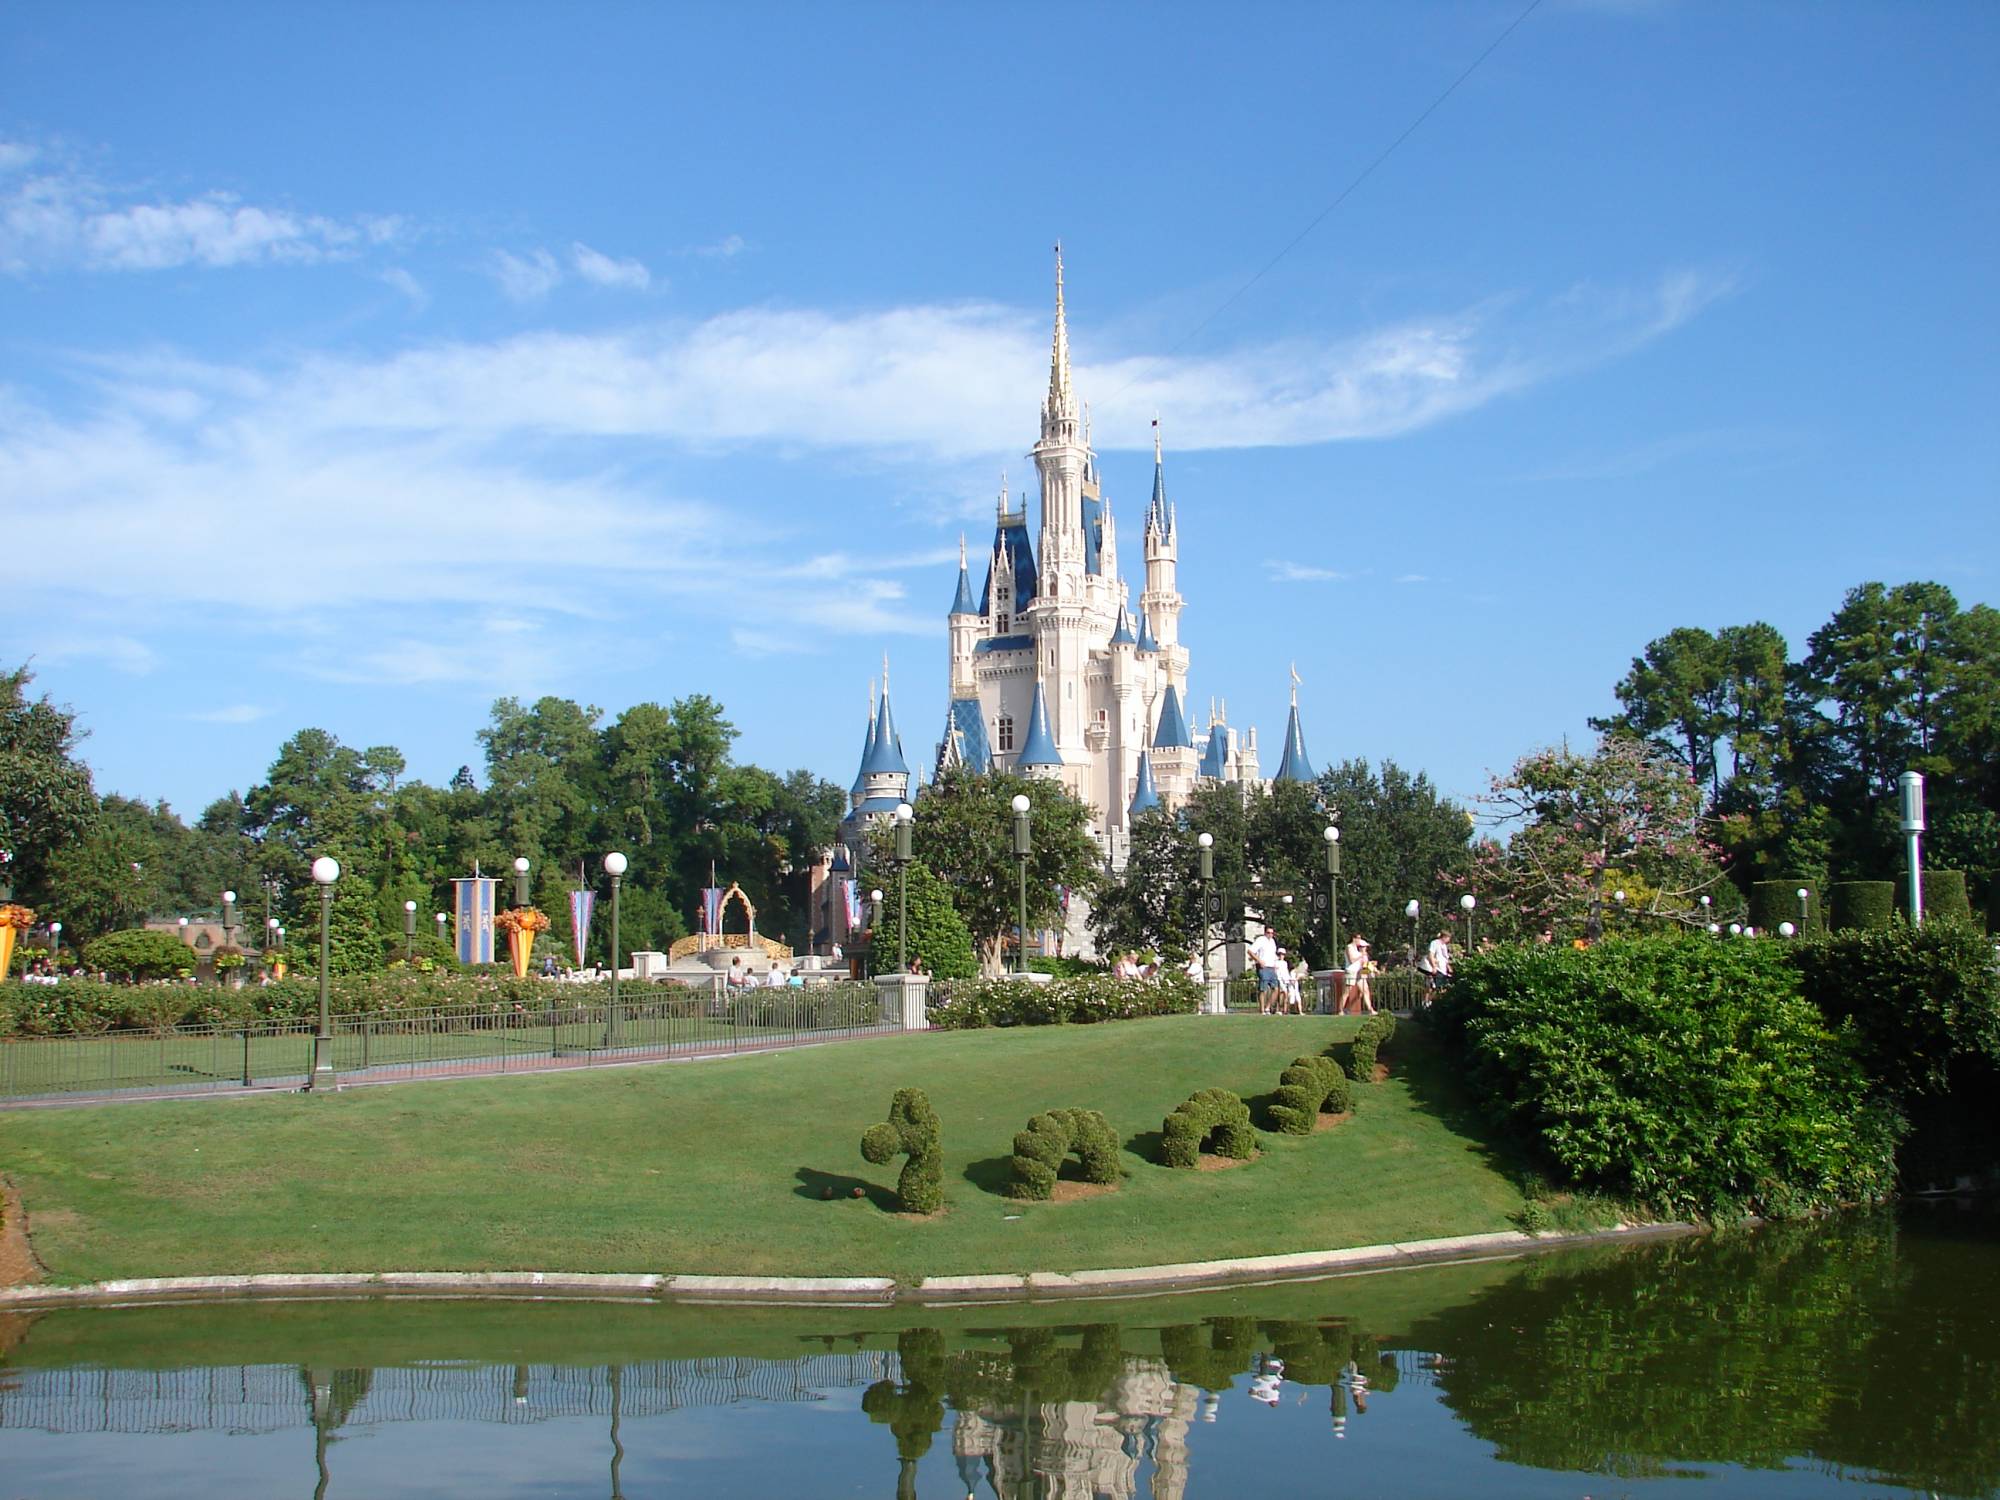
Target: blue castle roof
{"x": 1294, "y": 766}
{"x": 1013, "y": 536}
{"x": 884, "y": 755}
{"x": 867, "y": 751}
{"x": 1145, "y": 796}
{"x": 1146, "y": 641}
{"x": 1123, "y": 636}
{"x": 1172, "y": 733}
{"x": 1039, "y": 749}
{"x": 969, "y": 725}
{"x": 1215, "y": 756}
{"x": 962, "y": 602}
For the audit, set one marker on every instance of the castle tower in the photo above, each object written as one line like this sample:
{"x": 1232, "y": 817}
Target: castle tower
{"x": 1293, "y": 764}
{"x": 1160, "y": 604}
{"x": 1063, "y": 460}
{"x": 966, "y": 626}
{"x": 1173, "y": 759}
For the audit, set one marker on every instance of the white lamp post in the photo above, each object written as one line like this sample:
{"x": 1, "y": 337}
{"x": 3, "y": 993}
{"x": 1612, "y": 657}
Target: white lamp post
{"x": 409, "y": 930}
{"x": 615, "y": 865}
{"x": 905, "y": 816}
{"x": 1413, "y": 911}
{"x": 325, "y": 871}
{"x": 1023, "y": 846}
{"x": 1465, "y": 904}
{"x": 521, "y": 882}
{"x": 1786, "y": 929}
{"x": 55, "y": 944}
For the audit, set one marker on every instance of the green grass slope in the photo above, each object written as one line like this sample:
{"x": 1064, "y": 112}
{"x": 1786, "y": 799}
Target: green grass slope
{"x": 720, "y": 1166}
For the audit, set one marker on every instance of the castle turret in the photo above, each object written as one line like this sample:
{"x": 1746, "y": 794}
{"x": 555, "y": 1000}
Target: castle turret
{"x": 1172, "y": 754}
{"x": 967, "y": 625}
{"x": 1039, "y": 755}
{"x": 1293, "y": 764}
{"x": 1146, "y": 796}
{"x": 1062, "y": 458}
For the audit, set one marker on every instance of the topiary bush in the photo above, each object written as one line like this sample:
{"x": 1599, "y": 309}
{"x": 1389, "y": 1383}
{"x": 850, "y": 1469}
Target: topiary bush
{"x": 1368, "y": 1041}
{"x": 1039, "y": 1151}
{"x": 912, "y": 1128}
{"x": 1307, "y": 1089}
{"x": 1944, "y": 896}
{"x": 1685, "y": 1074}
{"x": 1775, "y": 901}
{"x": 1860, "y": 903}
{"x": 137, "y": 953}
{"x": 1209, "y": 1117}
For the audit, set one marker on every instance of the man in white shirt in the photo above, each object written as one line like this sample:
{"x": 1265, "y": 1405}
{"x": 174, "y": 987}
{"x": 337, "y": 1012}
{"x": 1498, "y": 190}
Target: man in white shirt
{"x": 1439, "y": 954}
{"x": 1263, "y": 952}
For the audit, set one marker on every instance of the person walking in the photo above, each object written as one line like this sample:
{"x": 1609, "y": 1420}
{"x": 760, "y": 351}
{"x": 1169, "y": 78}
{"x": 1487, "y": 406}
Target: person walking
{"x": 1263, "y": 952}
{"x": 1358, "y": 964}
{"x": 1439, "y": 954}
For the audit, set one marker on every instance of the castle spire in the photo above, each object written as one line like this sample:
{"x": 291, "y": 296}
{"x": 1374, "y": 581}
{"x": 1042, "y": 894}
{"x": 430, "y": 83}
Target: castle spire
{"x": 1157, "y": 517}
{"x": 1003, "y": 494}
{"x": 1062, "y": 398}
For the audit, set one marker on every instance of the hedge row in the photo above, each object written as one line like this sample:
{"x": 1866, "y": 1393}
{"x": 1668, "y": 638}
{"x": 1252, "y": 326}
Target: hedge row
{"x": 964, "y": 1004}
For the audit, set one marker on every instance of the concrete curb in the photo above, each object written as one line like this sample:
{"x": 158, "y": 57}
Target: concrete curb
{"x": 856, "y": 1291}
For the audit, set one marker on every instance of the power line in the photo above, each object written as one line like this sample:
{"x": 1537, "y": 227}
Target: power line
{"x": 1366, "y": 172}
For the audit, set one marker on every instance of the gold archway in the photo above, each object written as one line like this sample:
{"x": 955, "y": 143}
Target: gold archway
{"x": 702, "y": 942}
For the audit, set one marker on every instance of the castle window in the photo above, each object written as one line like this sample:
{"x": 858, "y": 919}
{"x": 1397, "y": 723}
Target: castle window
{"x": 1003, "y": 732}
{"x": 1005, "y": 620}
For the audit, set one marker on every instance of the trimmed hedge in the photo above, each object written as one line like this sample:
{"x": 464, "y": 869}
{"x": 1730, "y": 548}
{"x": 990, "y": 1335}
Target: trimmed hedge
{"x": 1309, "y": 1088}
{"x": 1861, "y": 903}
{"x": 1206, "y": 1114}
{"x": 1775, "y": 901}
{"x": 1085, "y": 998}
{"x": 1373, "y": 1035}
{"x": 1039, "y": 1151}
{"x": 1944, "y": 896}
{"x": 1684, "y": 1074}
{"x": 912, "y": 1128}
{"x": 1915, "y": 998}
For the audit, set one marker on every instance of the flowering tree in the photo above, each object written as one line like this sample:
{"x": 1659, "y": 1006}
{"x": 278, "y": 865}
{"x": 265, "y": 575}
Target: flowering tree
{"x": 1627, "y": 816}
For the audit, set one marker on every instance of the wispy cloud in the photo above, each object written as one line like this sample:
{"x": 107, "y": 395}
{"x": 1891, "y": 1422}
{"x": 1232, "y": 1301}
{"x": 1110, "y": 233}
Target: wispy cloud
{"x": 235, "y": 713}
{"x": 409, "y": 286}
{"x": 525, "y": 278}
{"x": 1291, "y": 572}
{"x": 122, "y": 653}
{"x": 726, "y": 248}
{"x": 54, "y": 218}
{"x": 1413, "y": 578}
{"x": 1739, "y": 449}
{"x": 601, "y": 270}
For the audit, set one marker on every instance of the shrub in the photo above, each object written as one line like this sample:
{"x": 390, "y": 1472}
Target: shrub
{"x": 1679, "y": 1072}
{"x": 1914, "y": 998}
{"x": 1210, "y": 1355}
{"x": 1860, "y": 903}
{"x": 1310, "y": 1087}
{"x": 1039, "y": 1151}
{"x": 136, "y": 953}
{"x": 912, "y": 1128}
{"x": 1211, "y": 1116}
{"x": 1368, "y": 1041}
{"x": 937, "y": 933}
{"x": 965, "y": 1004}
{"x": 1775, "y": 901}
{"x": 1067, "y": 968}
{"x": 1944, "y": 896}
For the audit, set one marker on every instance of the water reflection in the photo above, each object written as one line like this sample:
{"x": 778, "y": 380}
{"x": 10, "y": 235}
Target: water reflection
{"x": 1785, "y": 1362}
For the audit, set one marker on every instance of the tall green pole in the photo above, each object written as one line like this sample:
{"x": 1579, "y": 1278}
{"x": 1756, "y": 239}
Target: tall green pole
{"x": 1332, "y": 837}
{"x": 1023, "y": 846}
{"x": 614, "y": 866}
{"x": 904, "y": 817}
{"x": 325, "y": 871}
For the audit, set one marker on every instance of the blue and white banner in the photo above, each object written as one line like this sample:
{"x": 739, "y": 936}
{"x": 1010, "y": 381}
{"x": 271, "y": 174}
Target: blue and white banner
{"x": 850, "y": 891}
{"x": 581, "y": 903}
{"x": 711, "y": 909}
{"x": 473, "y": 901}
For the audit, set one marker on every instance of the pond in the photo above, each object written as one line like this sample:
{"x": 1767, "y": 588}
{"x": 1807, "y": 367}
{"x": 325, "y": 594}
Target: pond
{"x": 1857, "y": 1356}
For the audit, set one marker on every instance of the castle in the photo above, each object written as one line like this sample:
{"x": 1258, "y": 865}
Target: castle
{"x": 1053, "y": 671}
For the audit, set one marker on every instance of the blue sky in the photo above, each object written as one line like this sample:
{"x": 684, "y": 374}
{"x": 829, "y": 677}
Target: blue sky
{"x": 362, "y": 363}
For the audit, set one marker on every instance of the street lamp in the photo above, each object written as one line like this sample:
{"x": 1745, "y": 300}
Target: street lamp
{"x": 1466, "y": 904}
{"x": 1911, "y": 783}
{"x": 1205, "y": 870}
{"x": 1736, "y": 929}
{"x": 1805, "y": 907}
{"x": 325, "y": 871}
{"x": 1412, "y": 912}
{"x": 874, "y": 926}
{"x": 55, "y": 944}
{"x": 521, "y": 881}
{"x": 184, "y": 931}
{"x": 1705, "y": 904}
{"x": 270, "y": 933}
{"x": 1786, "y": 929}
{"x": 905, "y": 816}
{"x": 1619, "y": 897}
{"x": 1022, "y": 848}
{"x": 409, "y": 930}
{"x": 1332, "y": 836}
{"x": 228, "y": 916}
{"x": 615, "y": 865}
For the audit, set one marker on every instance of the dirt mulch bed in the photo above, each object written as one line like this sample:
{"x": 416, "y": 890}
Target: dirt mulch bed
{"x": 1381, "y": 1071}
{"x": 1208, "y": 1163}
{"x": 1071, "y": 1192}
{"x": 18, "y": 1266}
{"x": 1327, "y": 1122}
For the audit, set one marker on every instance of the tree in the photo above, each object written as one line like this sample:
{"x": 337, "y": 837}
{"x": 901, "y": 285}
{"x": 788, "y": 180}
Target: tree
{"x": 46, "y": 798}
{"x": 1154, "y": 902}
{"x": 138, "y": 954}
{"x": 1400, "y": 839}
{"x": 964, "y": 833}
{"x": 1673, "y": 698}
{"x": 937, "y": 933}
{"x": 1577, "y": 821}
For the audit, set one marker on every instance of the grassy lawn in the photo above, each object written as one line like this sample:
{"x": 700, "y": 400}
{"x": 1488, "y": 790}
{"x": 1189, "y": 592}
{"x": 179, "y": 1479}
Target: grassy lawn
{"x": 719, "y": 1166}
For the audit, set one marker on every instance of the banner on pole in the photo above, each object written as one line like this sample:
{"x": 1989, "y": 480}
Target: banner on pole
{"x": 711, "y": 909}
{"x": 581, "y": 904}
{"x": 473, "y": 902}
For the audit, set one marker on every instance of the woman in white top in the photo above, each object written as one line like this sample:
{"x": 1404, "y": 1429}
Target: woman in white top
{"x": 1357, "y": 976}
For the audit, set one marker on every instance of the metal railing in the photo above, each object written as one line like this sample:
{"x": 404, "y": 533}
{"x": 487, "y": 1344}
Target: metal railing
{"x": 1399, "y": 991}
{"x": 658, "y": 1021}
